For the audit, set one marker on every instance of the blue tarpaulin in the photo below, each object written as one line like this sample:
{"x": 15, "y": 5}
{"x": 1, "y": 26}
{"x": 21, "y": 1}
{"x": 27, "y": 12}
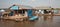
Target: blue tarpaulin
{"x": 29, "y": 11}
{"x": 14, "y": 8}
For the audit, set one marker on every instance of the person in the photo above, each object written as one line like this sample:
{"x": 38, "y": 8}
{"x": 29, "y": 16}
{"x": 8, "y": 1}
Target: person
{"x": 0, "y": 14}
{"x": 45, "y": 16}
{"x": 11, "y": 14}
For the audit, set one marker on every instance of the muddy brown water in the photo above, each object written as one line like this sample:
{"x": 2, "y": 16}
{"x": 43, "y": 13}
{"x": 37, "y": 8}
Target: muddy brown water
{"x": 41, "y": 22}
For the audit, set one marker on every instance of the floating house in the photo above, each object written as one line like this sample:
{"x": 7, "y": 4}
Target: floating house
{"x": 19, "y": 12}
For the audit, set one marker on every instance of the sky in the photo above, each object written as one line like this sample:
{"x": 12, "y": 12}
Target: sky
{"x": 33, "y": 3}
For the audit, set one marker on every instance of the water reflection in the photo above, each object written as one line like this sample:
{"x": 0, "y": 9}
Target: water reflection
{"x": 46, "y": 21}
{"x": 46, "y": 18}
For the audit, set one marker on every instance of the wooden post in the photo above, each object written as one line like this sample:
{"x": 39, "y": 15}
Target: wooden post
{"x": 52, "y": 13}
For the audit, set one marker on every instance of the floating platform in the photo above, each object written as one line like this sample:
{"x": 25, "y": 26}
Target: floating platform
{"x": 49, "y": 14}
{"x": 16, "y": 18}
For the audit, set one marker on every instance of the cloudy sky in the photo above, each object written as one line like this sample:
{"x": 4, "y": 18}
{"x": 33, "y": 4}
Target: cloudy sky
{"x": 33, "y": 3}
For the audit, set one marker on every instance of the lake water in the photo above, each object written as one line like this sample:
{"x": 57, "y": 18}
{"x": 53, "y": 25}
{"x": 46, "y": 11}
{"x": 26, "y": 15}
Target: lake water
{"x": 41, "y": 22}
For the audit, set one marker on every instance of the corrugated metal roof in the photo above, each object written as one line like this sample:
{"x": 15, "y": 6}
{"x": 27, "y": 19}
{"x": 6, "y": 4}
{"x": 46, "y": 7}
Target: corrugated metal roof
{"x": 44, "y": 7}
